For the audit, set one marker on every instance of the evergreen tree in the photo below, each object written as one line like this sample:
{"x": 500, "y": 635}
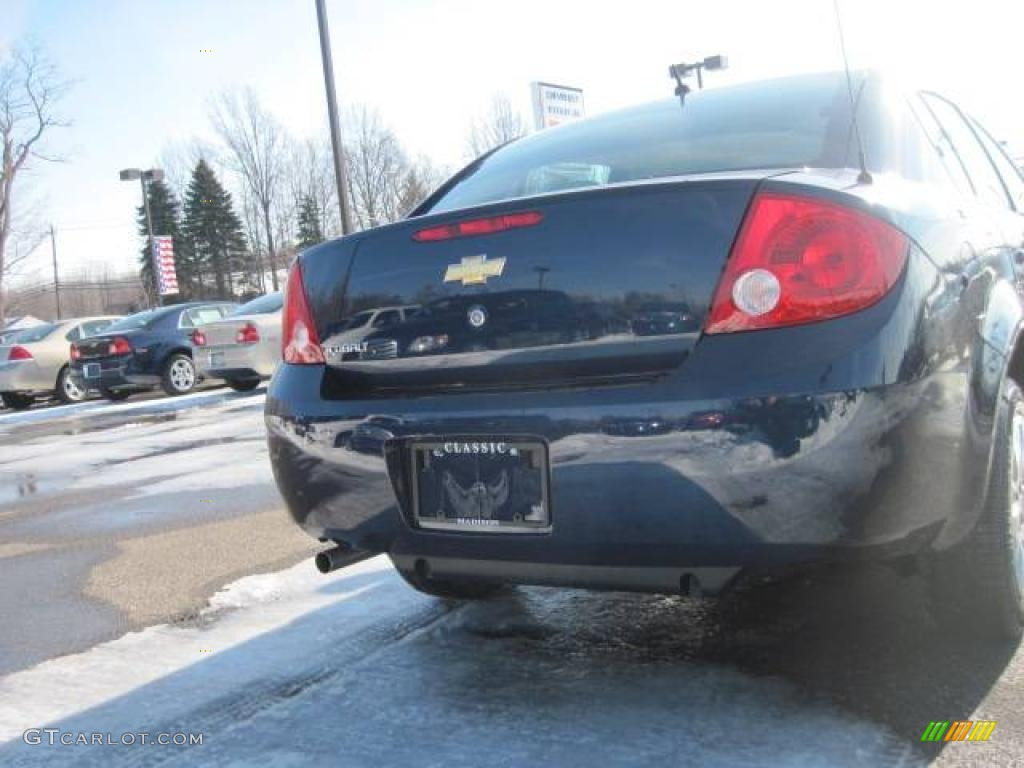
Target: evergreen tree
{"x": 213, "y": 231}
{"x": 164, "y": 210}
{"x": 310, "y": 231}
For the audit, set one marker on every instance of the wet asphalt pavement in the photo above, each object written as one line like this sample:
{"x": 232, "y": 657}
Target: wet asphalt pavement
{"x": 107, "y": 525}
{"x": 119, "y": 518}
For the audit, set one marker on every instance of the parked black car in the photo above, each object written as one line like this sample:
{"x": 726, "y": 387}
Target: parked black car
{"x": 850, "y": 386}
{"x": 143, "y": 351}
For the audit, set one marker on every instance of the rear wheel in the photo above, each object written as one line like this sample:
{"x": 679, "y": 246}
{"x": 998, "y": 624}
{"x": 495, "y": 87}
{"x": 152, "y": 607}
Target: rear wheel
{"x": 179, "y": 376}
{"x": 67, "y": 390}
{"x": 16, "y": 401}
{"x": 978, "y": 587}
{"x": 243, "y": 385}
{"x": 116, "y": 395}
{"x": 449, "y": 589}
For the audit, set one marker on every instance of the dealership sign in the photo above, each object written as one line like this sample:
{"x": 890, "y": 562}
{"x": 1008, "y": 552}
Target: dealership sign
{"x": 163, "y": 265}
{"x": 554, "y": 104}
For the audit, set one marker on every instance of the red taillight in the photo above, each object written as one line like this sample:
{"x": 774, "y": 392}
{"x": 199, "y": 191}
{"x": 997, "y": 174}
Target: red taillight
{"x": 198, "y": 338}
{"x": 247, "y": 334}
{"x": 486, "y": 226}
{"x": 300, "y": 344}
{"x": 19, "y": 353}
{"x": 76, "y": 353}
{"x": 119, "y": 347}
{"x": 800, "y": 259}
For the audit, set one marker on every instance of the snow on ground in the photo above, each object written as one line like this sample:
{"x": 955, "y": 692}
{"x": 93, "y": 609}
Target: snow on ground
{"x": 104, "y": 407}
{"x": 356, "y": 669}
{"x": 158, "y": 447}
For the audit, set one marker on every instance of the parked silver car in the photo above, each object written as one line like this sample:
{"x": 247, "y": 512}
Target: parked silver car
{"x": 244, "y": 347}
{"x": 34, "y": 362}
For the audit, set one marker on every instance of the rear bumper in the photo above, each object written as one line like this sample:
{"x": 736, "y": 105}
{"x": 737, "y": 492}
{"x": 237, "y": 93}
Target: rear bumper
{"x": 113, "y": 374}
{"x": 25, "y": 376}
{"x": 742, "y": 482}
{"x": 236, "y": 361}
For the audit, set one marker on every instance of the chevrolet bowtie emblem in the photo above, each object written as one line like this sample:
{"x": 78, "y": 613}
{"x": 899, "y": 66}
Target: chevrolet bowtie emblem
{"x": 474, "y": 270}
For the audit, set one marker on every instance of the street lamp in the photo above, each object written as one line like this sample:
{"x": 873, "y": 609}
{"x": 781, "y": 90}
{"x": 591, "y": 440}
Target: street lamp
{"x": 679, "y": 71}
{"x": 153, "y": 174}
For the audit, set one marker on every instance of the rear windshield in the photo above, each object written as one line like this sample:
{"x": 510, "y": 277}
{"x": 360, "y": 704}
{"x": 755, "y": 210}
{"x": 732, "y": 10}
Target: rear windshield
{"x": 262, "y": 305}
{"x": 135, "y": 322}
{"x": 792, "y": 122}
{"x": 35, "y": 333}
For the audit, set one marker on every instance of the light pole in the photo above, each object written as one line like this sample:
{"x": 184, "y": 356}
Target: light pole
{"x": 332, "y": 116}
{"x": 153, "y": 174}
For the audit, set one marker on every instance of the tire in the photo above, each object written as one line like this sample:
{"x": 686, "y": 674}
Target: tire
{"x": 977, "y": 588}
{"x": 116, "y": 395}
{"x": 243, "y": 385}
{"x": 67, "y": 391}
{"x": 449, "y": 589}
{"x": 16, "y": 401}
{"x": 179, "y": 375}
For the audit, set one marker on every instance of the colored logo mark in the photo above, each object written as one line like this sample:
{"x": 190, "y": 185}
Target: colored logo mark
{"x": 474, "y": 270}
{"x": 958, "y": 730}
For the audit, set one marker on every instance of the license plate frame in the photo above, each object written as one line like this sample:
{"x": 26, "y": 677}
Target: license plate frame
{"x": 92, "y": 370}
{"x": 216, "y": 359}
{"x": 525, "y": 464}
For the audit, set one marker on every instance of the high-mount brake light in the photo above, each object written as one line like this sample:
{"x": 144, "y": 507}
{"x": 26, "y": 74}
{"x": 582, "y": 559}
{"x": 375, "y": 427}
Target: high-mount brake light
{"x": 485, "y": 226}
{"x": 801, "y": 259}
{"x": 300, "y": 344}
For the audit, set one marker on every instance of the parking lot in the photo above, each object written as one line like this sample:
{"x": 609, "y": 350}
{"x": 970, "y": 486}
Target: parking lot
{"x": 153, "y": 583}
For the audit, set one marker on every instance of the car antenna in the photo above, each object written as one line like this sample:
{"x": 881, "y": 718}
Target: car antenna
{"x": 863, "y": 177}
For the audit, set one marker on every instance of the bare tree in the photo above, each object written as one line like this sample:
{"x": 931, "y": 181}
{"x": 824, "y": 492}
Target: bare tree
{"x": 500, "y": 125}
{"x": 179, "y": 158}
{"x": 376, "y": 168}
{"x": 253, "y": 224}
{"x": 30, "y": 92}
{"x": 312, "y": 175}
{"x": 258, "y": 148}
{"x": 421, "y": 178}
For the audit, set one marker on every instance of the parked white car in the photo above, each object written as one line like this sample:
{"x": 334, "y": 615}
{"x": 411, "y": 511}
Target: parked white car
{"x": 34, "y": 361}
{"x": 244, "y": 347}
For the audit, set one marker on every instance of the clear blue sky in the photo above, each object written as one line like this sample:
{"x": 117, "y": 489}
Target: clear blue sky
{"x": 144, "y": 80}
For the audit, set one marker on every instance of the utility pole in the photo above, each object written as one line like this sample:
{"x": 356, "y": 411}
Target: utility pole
{"x": 56, "y": 276}
{"x": 332, "y": 115}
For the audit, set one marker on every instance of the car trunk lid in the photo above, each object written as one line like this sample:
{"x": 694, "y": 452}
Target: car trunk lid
{"x": 611, "y": 285}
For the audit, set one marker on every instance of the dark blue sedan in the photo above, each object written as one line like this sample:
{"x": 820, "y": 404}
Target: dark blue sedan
{"x": 847, "y": 383}
{"x": 143, "y": 351}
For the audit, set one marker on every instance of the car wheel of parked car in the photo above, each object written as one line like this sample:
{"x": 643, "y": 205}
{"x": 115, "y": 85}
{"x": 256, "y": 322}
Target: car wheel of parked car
{"x": 116, "y": 395}
{"x": 978, "y": 587}
{"x": 179, "y": 376}
{"x": 243, "y": 385}
{"x": 67, "y": 390}
{"x": 449, "y": 589}
{"x": 16, "y": 401}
